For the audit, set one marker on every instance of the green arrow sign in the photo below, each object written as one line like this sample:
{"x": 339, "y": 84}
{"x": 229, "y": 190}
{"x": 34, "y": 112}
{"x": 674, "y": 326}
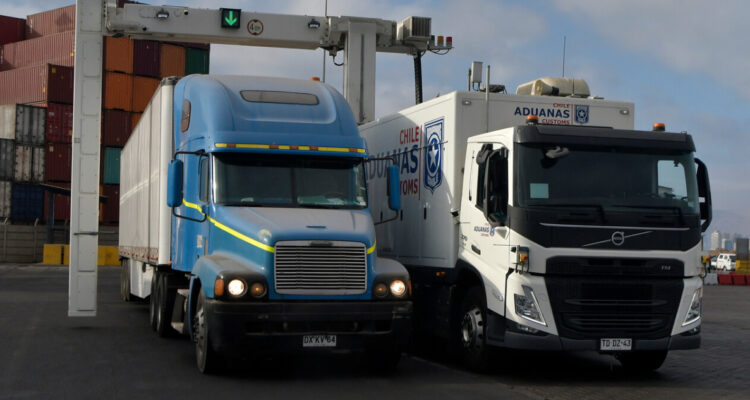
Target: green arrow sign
{"x": 230, "y": 18}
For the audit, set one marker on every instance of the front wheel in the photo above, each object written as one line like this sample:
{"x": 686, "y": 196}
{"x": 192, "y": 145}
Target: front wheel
{"x": 472, "y": 328}
{"x": 208, "y": 361}
{"x": 642, "y": 361}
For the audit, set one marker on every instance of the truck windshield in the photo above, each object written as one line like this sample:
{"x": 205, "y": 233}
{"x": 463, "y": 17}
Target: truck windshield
{"x": 612, "y": 178}
{"x": 289, "y": 181}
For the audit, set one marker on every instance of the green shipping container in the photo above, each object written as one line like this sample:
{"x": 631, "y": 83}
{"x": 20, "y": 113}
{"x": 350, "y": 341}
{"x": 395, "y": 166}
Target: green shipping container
{"x": 196, "y": 61}
{"x": 111, "y": 173}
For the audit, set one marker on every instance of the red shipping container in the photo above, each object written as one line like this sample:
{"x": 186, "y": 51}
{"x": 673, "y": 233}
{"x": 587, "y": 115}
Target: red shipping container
{"x": 738, "y": 279}
{"x": 59, "y": 123}
{"x": 59, "y": 47}
{"x": 62, "y": 203}
{"x": 40, "y": 84}
{"x": 51, "y": 22}
{"x": 725, "y": 279}
{"x": 115, "y": 128}
{"x": 12, "y": 29}
{"x": 146, "y": 58}
{"x": 111, "y": 209}
{"x": 58, "y": 162}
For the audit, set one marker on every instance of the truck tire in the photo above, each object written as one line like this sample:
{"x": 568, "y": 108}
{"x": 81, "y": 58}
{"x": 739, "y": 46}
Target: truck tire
{"x": 125, "y": 280}
{"x": 152, "y": 298}
{"x": 642, "y": 361}
{"x": 208, "y": 361}
{"x": 471, "y": 330}
{"x": 164, "y": 303}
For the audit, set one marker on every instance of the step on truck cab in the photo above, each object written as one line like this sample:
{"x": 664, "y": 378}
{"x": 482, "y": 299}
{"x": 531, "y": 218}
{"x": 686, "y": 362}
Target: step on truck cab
{"x": 245, "y": 221}
{"x": 572, "y": 232}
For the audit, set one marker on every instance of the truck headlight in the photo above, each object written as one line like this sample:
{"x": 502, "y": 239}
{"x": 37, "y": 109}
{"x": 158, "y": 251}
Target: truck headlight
{"x": 527, "y": 307}
{"x": 237, "y": 287}
{"x": 398, "y": 288}
{"x": 694, "y": 312}
{"x": 258, "y": 290}
{"x": 380, "y": 290}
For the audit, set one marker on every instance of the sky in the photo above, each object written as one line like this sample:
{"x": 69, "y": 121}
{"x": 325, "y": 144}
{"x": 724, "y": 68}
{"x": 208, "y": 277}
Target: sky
{"x": 683, "y": 63}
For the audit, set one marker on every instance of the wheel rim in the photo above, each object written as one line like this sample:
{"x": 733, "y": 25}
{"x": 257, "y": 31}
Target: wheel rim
{"x": 471, "y": 328}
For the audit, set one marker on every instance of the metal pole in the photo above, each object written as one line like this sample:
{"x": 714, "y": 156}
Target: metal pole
{"x": 487, "y": 98}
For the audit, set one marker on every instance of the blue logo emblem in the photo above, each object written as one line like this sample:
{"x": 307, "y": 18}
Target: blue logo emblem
{"x": 582, "y": 114}
{"x": 433, "y": 169}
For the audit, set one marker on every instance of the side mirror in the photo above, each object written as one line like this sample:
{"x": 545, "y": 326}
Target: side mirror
{"x": 704, "y": 191}
{"x": 394, "y": 189}
{"x": 174, "y": 183}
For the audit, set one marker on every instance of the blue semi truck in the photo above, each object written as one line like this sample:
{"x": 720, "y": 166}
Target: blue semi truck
{"x": 244, "y": 220}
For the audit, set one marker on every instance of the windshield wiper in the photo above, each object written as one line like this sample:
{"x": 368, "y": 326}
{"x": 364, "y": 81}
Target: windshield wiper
{"x": 679, "y": 209}
{"x": 599, "y": 207}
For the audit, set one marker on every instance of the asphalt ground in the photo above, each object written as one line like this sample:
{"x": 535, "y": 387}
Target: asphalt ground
{"x": 44, "y": 354}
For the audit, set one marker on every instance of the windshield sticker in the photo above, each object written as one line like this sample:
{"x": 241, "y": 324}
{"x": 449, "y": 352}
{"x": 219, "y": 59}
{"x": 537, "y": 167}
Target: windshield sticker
{"x": 539, "y": 190}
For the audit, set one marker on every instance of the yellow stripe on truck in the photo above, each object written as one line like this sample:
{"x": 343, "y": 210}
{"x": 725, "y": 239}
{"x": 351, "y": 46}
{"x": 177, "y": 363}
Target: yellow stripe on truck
{"x": 289, "y": 147}
{"x": 229, "y": 230}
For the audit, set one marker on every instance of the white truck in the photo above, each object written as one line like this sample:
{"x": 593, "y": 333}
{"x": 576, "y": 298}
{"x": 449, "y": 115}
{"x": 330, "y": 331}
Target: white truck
{"x": 570, "y": 232}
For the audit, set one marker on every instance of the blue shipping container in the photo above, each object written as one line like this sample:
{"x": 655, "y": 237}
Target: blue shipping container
{"x": 27, "y": 203}
{"x": 111, "y": 173}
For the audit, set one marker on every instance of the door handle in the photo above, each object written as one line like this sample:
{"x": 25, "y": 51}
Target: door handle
{"x": 476, "y": 249}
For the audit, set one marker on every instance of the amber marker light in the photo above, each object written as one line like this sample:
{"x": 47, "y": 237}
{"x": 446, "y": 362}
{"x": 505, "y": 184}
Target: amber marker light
{"x": 219, "y": 287}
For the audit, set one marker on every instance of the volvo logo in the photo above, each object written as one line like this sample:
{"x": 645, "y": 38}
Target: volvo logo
{"x": 618, "y": 238}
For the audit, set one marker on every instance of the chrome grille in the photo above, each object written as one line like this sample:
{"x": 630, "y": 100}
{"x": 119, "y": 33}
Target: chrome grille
{"x": 320, "y": 267}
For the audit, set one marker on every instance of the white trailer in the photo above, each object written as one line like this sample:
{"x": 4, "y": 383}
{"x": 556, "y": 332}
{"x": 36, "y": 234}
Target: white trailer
{"x": 145, "y": 218}
{"x": 574, "y": 232}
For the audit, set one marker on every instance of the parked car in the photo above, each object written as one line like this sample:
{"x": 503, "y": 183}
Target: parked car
{"x": 726, "y": 262}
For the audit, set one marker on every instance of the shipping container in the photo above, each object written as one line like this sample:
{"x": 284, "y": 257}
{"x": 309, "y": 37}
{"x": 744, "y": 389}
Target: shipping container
{"x": 172, "y": 60}
{"x": 27, "y": 203}
{"x": 118, "y": 54}
{"x": 58, "y": 162}
{"x": 51, "y": 22}
{"x": 59, "y": 123}
{"x": 111, "y": 208}
{"x": 146, "y": 56}
{"x": 6, "y": 188}
{"x": 62, "y": 203}
{"x": 8, "y": 121}
{"x": 12, "y": 29}
{"x": 39, "y": 84}
{"x": 24, "y": 124}
{"x": 7, "y": 159}
{"x": 118, "y": 91}
{"x": 111, "y": 165}
{"x": 30, "y": 124}
{"x": 143, "y": 90}
{"x": 135, "y": 118}
{"x": 29, "y": 163}
{"x": 59, "y": 47}
{"x": 196, "y": 61}
{"x": 115, "y": 127}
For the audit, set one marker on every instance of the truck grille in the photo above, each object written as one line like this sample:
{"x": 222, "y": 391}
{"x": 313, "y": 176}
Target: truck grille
{"x": 320, "y": 267}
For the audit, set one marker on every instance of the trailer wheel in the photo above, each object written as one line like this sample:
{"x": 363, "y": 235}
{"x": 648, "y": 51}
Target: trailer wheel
{"x": 208, "y": 361}
{"x": 164, "y": 304}
{"x": 472, "y": 339}
{"x": 642, "y": 361}
{"x": 125, "y": 280}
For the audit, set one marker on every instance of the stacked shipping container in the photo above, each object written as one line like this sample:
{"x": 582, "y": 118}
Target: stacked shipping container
{"x": 36, "y": 60}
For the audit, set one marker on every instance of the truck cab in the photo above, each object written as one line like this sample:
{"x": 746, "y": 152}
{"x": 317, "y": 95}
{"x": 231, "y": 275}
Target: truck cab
{"x": 588, "y": 238}
{"x": 271, "y": 245}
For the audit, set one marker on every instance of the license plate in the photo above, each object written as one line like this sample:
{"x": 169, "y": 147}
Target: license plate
{"x": 615, "y": 344}
{"x": 319, "y": 341}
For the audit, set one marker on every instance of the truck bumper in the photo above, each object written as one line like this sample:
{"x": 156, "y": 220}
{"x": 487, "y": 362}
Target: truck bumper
{"x": 276, "y": 327}
{"x": 549, "y": 342}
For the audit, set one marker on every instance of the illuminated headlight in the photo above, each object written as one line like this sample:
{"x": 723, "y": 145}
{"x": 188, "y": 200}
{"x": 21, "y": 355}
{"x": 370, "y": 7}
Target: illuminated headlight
{"x": 236, "y": 287}
{"x": 398, "y": 288}
{"x": 694, "y": 312}
{"x": 527, "y": 307}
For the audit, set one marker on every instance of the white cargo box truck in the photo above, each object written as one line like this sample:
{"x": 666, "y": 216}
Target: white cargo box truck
{"x": 572, "y": 233}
